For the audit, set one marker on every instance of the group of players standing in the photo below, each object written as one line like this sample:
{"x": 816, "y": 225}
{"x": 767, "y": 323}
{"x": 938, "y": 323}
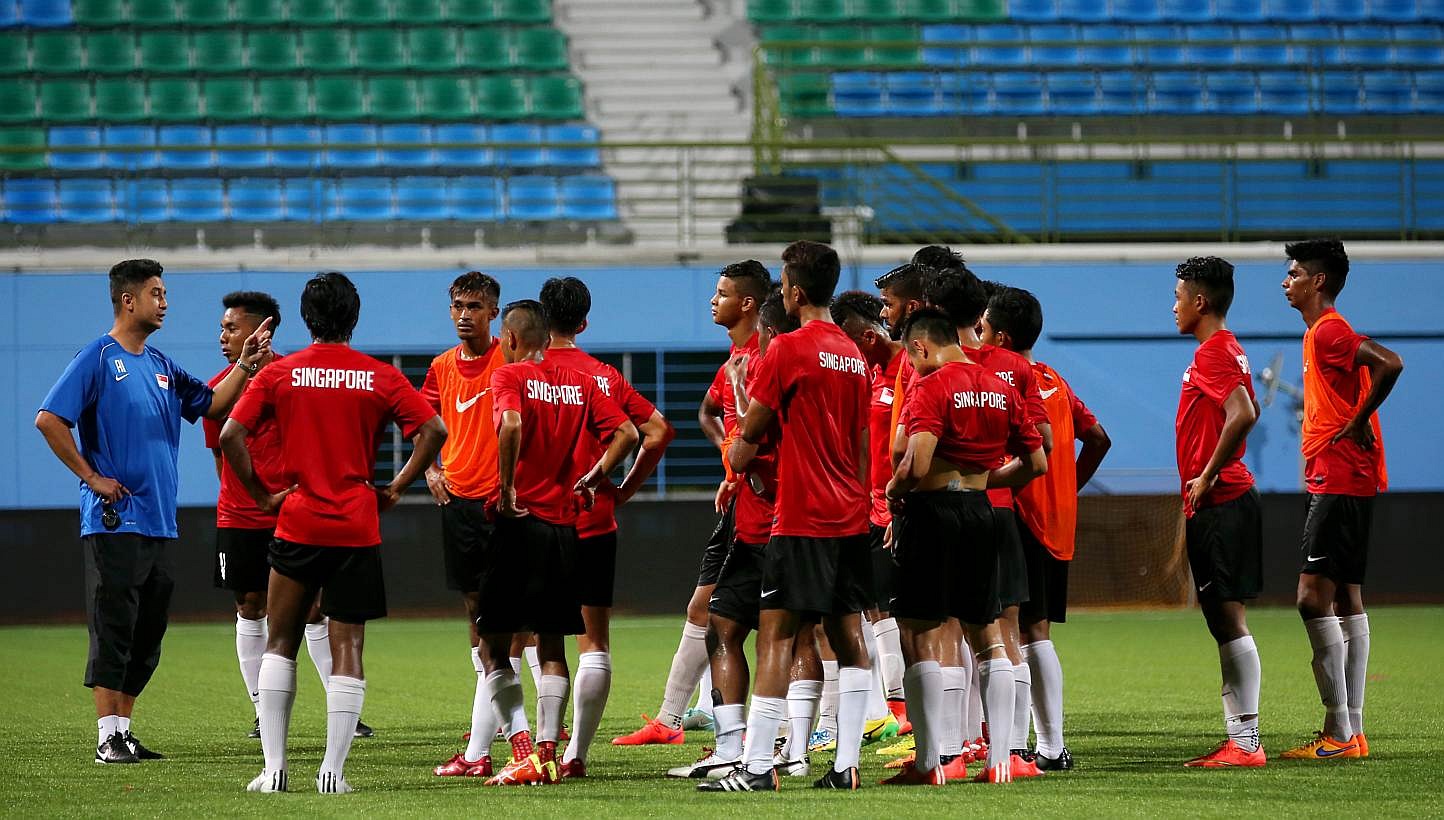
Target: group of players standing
{"x": 895, "y": 525}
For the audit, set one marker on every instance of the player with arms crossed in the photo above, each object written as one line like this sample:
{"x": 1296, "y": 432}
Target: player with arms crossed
{"x": 1347, "y": 377}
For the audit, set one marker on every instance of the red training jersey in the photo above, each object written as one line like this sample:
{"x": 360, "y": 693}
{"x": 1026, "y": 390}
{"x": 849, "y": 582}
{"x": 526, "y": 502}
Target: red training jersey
{"x": 753, "y": 514}
{"x": 558, "y": 406}
{"x": 721, "y": 389}
{"x": 460, "y": 392}
{"x": 817, "y": 383}
{"x": 1014, "y": 369}
{"x": 1219, "y": 367}
{"x": 1341, "y": 467}
{"x": 1048, "y": 504}
{"x": 332, "y": 404}
{"x": 881, "y": 427}
{"x": 235, "y": 509}
{"x": 978, "y": 419}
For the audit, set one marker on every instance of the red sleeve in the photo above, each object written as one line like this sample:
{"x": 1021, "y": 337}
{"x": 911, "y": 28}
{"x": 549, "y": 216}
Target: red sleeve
{"x": 1032, "y": 398}
{"x": 1023, "y": 435}
{"x": 1336, "y": 345}
{"x": 772, "y": 373}
{"x": 256, "y": 399}
{"x": 212, "y": 430}
{"x": 719, "y": 384}
{"x": 604, "y": 415}
{"x": 407, "y": 407}
{"x": 431, "y": 389}
{"x": 1217, "y": 373}
{"x": 505, "y": 393}
{"x": 627, "y": 397}
{"x": 1083, "y": 418}
{"x": 923, "y": 411}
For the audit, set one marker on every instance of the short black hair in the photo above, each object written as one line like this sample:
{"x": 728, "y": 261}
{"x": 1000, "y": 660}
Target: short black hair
{"x": 1326, "y": 256}
{"x": 932, "y": 323}
{"x": 1018, "y": 313}
{"x": 907, "y": 281}
{"x": 255, "y": 303}
{"x": 960, "y": 294}
{"x": 751, "y": 278}
{"x": 813, "y": 267}
{"x": 859, "y": 305}
{"x": 991, "y": 288}
{"x": 773, "y": 315}
{"x": 529, "y": 319}
{"x": 330, "y": 307}
{"x": 939, "y": 257}
{"x": 474, "y": 281}
{"x": 124, "y": 276}
{"x": 567, "y": 303}
{"x": 1211, "y": 276}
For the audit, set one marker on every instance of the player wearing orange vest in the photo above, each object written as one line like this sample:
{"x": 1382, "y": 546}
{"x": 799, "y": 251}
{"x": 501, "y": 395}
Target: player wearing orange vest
{"x": 1347, "y": 376}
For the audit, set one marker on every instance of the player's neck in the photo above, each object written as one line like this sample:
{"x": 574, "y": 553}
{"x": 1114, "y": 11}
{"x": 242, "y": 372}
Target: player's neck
{"x": 1207, "y": 326}
{"x": 1027, "y": 354}
{"x": 1316, "y": 308}
{"x": 475, "y": 348}
{"x": 529, "y": 354}
{"x": 562, "y": 341}
{"x": 813, "y": 313}
{"x": 948, "y": 355}
{"x": 968, "y": 338}
{"x": 744, "y": 330}
{"x": 129, "y": 335}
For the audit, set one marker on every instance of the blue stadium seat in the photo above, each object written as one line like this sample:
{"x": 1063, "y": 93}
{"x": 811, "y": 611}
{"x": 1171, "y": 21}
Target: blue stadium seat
{"x": 1431, "y": 11}
{"x": 1341, "y": 11}
{"x": 1418, "y": 45}
{"x": 1284, "y": 92}
{"x": 1000, "y": 56}
{"x": 1106, "y": 56}
{"x": 1365, "y": 45}
{"x": 1315, "y": 43}
{"x": 143, "y": 200}
{"x": 527, "y": 134}
{"x": 589, "y": 198}
{"x": 474, "y": 199}
{"x": 962, "y": 93}
{"x": 351, "y": 146}
{"x": 1176, "y": 92}
{"x": 946, "y": 55}
{"x": 912, "y": 93}
{"x": 1339, "y": 92}
{"x": 1065, "y": 55}
{"x": 242, "y": 146}
{"x": 255, "y": 200}
{"x": 1083, "y": 11}
{"x": 1072, "y": 92}
{"x": 857, "y": 93}
{"x": 1201, "y": 52}
{"x": 1238, "y": 11}
{"x": 421, "y": 198}
{"x": 532, "y": 198}
{"x": 307, "y": 200}
{"x": 1018, "y": 92}
{"x": 1388, "y": 92}
{"x": 1033, "y": 11}
{"x": 1231, "y": 92}
{"x": 190, "y": 147}
{"x": 295, "y": 135}
{"x": 395, "y": 135}
{"x": 1169, "y": 52}
{"x": 1135, "y": 11}
{"x": 124, "y": 147}
{"x": 467, "y": 148}
{"x": 1120, "y": 92}
{"x": 197, "y": 200}
{"x": 46, "y": 13}
{"x": 9, "y": 14}
{"x": 1185, "y": 11}
{"x": 29, "y": 201}
{"x": 1429, "y": 92}
{"x": 363, "y": 199}
{"x": 1393, "y": 11}
{"x": 582, "y": 157}
{"x": 1262, "y": 45}
{"x": 1290, "y": 11}
{"x": 75, "y": 137}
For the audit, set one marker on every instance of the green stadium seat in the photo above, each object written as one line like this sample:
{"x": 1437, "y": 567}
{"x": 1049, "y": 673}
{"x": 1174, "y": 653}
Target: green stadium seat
{"x": 432, "y": 49}
{"x": 313, "y": 12}
{"x": 65, "y": 100}
{"x": 379, "y": 49}
{"x": 770, "y": 11}
{"x": 822, "y": 11}
{"x": 557, "y": 97}
{"x": 524, "y": 11}
{"x": 99, "y": 12}
{"x": 929, "y": 11}
{"x": 417, "y": 12}
{"x": 842, "y": 56}
{"x": 393, "y": 98}
{"x": 364, "y": 12}
{"x": 14, "y": 53}
{"x": 174, "y": 99}
{"x": 501, "y": 97}
{"x": 260, "y": 12}
{"x": 219, "y": 51}
{"x": 326, "y": 49}
{"x": 876, "y": 11}
{"x": 205, "y": 12}
{"x": 119, "y": 99}
{"x": 486, "y": 48}
{"x": 24, "y": 149}
{"x": 790, "y": 57}
{"x": 56, "y": 52}
{"x": 540, "y": 49}
{"x": 283, "y": 98}
{"x": 229, "y": 99}
{"x": 272, "y": 51}
{"x": 471, "y": 11}
{"x": 165, "y": 52}
{"x": 339, "y": 98}
{"x": 982, "y": 11}
{"x": 891, "y": 56}
{"x": 110, "y": 52}
{"x": 17, "y": 100}
{"x": 805, "y": 94}
{"x": 153, "y": 13}
{"x": 446, "y": 98}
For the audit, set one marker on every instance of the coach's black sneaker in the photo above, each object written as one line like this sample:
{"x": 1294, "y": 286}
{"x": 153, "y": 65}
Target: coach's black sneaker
{"x": 838, "y": 780}
{"x": 362, "y": 730}
{"x": 139, "y": 749}
{"x": 741, "y": 780}
{"x": 114, "y": 750}
{"x": 1026, "y": 754}
{"x": 708, "y": 767}
{"x": 1062, "y": 763}
{"x": 255, "y": 731}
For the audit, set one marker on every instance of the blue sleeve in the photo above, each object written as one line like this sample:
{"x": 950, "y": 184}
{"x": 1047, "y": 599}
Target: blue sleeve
{"x": 77, "y": 388}
{"x": 194, "y": 394}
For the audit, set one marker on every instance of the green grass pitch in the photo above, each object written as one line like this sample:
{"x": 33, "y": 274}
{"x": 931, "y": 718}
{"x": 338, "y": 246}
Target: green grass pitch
{"x": 1142, "y": 696}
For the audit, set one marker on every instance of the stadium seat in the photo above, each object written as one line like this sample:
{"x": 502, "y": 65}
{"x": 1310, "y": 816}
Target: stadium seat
{"x": 1161, "y": 45}
{"x": 219, "y": 51}
{"x": 929, "y": 11}
{"x": 363, "y": 199}
{"x": 29, "y": 201}
{"x": 393, "y": 98}
{"x": 1431, "y": 11}
{"x": 474, "y": 199}
{"x": 982, "y": 11}
{"x": 1339, "y": 92}
{"x": 313, "y": 12}
{"x": 1185, "y": 11}
{"x": 65, "y": 100}
{"x": 307, "y": 200}
{"x": 110, "y": 52}
{"x": 805, "y": 94}
{"x": 142, "y": 200}
{"x": 963, "y": 93}
{"x": 95, "y": 13}
{"x": 471, "y": 12}
{"x": 1289, "y": 11}
{"x": 1418, "y": 46}
{"x": 1064, "y": 53}
{"x": 894, "y": 46}
{"x": 874, "y": 11}
{"x": 24, "y": 148}
{"x": 197, "y": 200}
{"x": 524, "y": 11}
{"x": 1018, "y": 92}
{"x": 17, "y": 100}
{"x": 1072, "y": 93}
{"x": 421, "y": 198}
{"x": 822, "y": 11}
{"x": 1135, "y": 11}
{"x": 1283, "y": 92}
{"x": 1315, "y": 43}
{"x": 326, "y": 49}
{"x": 394, "y": 136}
{"x": 845, "y": 49}
{"x": 540, "y": 49}
{"x": 579, "y": 157}
{"x": 282, "y": 98}
{"x": 1393, "y": 11}
{"x": 260, "y": 12}
{"x": 351, "y": 146}
{"x": 14, "y": 54}
{"x": 1015, "y": 53}
{"x": 1033, "y": 11}
{"x": 272, "y": 52}
{"x": 485, "y": 48}
{"x": 770, "y": 11}
{"x": 129, "y": 147}
{"x": 1341, "y": 11}
{"x": 255, "y": 200}
{"x": 86, "y": 201}
{"x": 1176, "y": 92}
{"x": 83, "y": 148}
{"x": 339, "y": 98}
{"x": 1092, "y": 52}
{"x": 532, "y": 198}
{"x": 9, "y": 16}
{"x": 776, "y": 54}
{"x": 911, "y": 94}
{"x": 228, "y": 99}
{"x": 589, "y": 198}
{"x": 174, "y": 99}
{"x": 431, "y": 49}
{"x": 557, "y": 97}
{"x": 1429, "y": 92}
{"x": 419, "y": 12}
{"x": 41, "y": 13}
{"x": 462, "y": 144}
{"x": 1120, "y": 92}
{"x": 1238, "y": 11}
{"x": 1388, "y": 92}
{"x": 297, "y": 156}
{"x": 945, "y": 55}
{"x": 185, "y": 147}
{"x": 242, "y": 146}
{"x": 364, "y": 12}
{"x": 154, "y": 13}
{"x": 1083, "y": 11}
{"x": 55, "y": 52}
{"x": 1364, "y": 45}
{"x": 527, "y": 134}
{"x": 1203, "y": 53}
{"x": 381, "y": 49}
{"x": 164, "y": 52}
{"x": 1231, "y": 92}
{"x": 204, "y": 13}
{"x": 857, "y": 94}
{"x": 446, "y": 98}
{"x": 1265, "y": 45}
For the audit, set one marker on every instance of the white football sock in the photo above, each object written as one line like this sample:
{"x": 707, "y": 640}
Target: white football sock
{"x": 483, "y": 714}
{"x": 108, "y": 725}
{"x": 1022, "y": 704}
{"x": 515, "y": 722}
{"x": 762, "y": 721}
{"x": 551, "y": 702}
{"x": 250, "y": 646}
{"x": 999, "y": 695}
{"x": 889, "y": 651}
{"x": 1242, "y": 676}
{"x": 344, "y": 697}
{"x": 802, "y": 698}
{"x": 277, "y": 684}
{"x": 973, "y": 709}
{"x": 1356, "y": 665}
{"x": 923, "y": 687}
{"x": 1047, "y": 696}
{"x": 704, "y": 690}
{"x": 949, "y": 730}
{"x": 876, "y": 702}
{"x": 318, "y": 646}
{"x": 504, "y": 688}
{"x": 730, "y": 723}
{"x": 123, "y": 724}
{"x": 689, "y": 663}
{"x": 1327, "y": 639}
{"x": 854, "y": 686}
{"x": 594, "y": 683}
{"x": 534, "y": 662}
{"x": 827, "y": 708}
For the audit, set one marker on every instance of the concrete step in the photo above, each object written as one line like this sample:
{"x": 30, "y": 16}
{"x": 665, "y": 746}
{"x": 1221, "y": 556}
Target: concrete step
{"x": 638, "y": 29}
{"x": 703, "y": 57}
{"x": 681, "y": 105}
{"x": 586, "y": 13}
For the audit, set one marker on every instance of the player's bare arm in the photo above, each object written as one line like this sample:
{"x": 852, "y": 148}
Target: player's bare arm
{"x": 624, "y": 440}
{"x": 255, "y": 352}
{"x": 1096, "y": 444}
{"x": 709, "y": 417}
{"x": 1019, "y": 471}
{"x": 57, "y": 434}
{"x": 508, "y": 447}
{"x": 657, "y": 433}
{"x": 1239, "y": 415}
{"x": 425, "y": 445}
{"x": 1384, "y": 368}
{"x": 233, "y": 445}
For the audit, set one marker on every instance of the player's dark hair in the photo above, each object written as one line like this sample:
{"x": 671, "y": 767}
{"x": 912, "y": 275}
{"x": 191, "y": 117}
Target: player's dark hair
{"x": 857, "y": 305}
{"x": 933, "y": 323}
{"x": 330, "y": 307}
{"x": 255, "y": 303}
{"x": 1211, "y": 276}
{"x": 813, "y": 267}
{"x": 1017, "y": 313}
{"x": 1326, "y": 256}
{"x": 773, "y": 315}
{"x": 127, "y": 275}
{"x": 907, "y": 281}
{"x": 474, "y": 281}
{"x": 567, "y": 302}
{"x": 959, "y": 294}
{"x": 528, "y": 319}
{"x": 751, "y": 278}
{"x": 939, "y": 258}
{"x": 991, "y": 288}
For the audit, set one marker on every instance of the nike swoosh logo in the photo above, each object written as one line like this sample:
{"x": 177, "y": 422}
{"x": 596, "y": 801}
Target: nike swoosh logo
{"x": 121, "y": 376}
{"x": 1312, "y": 558}
{"x": 767, "y": 592}
{"x": 1327, "y": 753}
{"x": 463, "y": 406}
{"x": 712, "y": 600}
{"x": 1205, "y": 586}
{"x": 1048, "y": 393}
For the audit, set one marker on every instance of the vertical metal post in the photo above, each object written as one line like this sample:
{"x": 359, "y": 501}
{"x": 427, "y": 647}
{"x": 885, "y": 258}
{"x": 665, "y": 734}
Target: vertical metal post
{"x": 662, "y": 405}
{"x": 396, "y": 440}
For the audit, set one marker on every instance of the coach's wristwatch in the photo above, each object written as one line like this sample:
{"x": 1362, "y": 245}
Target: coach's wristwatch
{"x": 250, "y": 369}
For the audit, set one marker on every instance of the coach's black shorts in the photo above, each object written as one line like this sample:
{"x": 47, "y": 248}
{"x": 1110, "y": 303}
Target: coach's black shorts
{"x": 352, "y": 589}
{"x": 528, "y": 579}
{"x": 882, "y": 568}
{"x": 1012, "y": 563}
{"x": 716, "y": 550}
{"x": 465, "y": 532}
{"x": 737, "y": 596}
{"x": 596, "y": 569}
{"x": 1047, "y": 581}
{"x": 1225, "y": 549}
{"x": 945, "y": 548}
{"x": 818, "y": 576}
{"x": 129, "y": 580}
{"x": 1336, "y": 537}
{"x": 243, "y": 559}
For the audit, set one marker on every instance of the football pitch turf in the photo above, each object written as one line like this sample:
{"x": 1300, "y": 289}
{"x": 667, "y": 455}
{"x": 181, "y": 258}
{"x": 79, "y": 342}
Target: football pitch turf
{"x": 1142, "y": 697}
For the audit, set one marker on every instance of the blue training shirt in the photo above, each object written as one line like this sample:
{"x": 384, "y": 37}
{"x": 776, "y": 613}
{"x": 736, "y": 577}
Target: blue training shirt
{"x": 128, "y": 409}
